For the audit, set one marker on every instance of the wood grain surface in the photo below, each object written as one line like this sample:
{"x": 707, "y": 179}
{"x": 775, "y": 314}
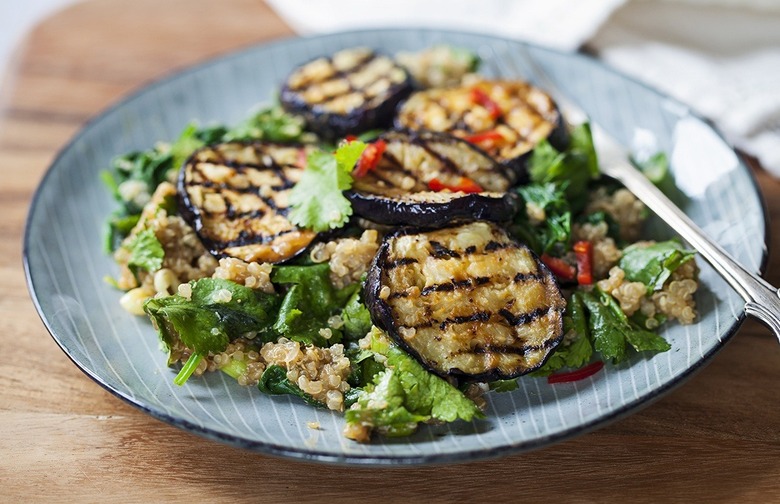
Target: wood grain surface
{"x": 64, "y": 438}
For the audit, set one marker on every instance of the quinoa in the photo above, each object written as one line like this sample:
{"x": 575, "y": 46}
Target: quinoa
{"x": 623, "y": 207}
{"x": 674, "y": 301}
{"x": 320, "y": 372}
{"x": 185, "y": 257}
{"x": 349, "y": 257}
{"x": 253, "y": 275}
{"x": 628, "y": 294}
{"x": 437, "y": 66}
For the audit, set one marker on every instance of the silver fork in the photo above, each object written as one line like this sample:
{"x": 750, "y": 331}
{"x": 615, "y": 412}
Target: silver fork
{"x": 762, "y": 300}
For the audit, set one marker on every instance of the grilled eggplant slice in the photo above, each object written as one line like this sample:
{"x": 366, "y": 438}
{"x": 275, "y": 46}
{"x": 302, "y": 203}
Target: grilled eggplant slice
{"x": 397, "y": 190}
{"x": 466, "y": 301}
{"x": 353, "y": 91}
{"x": 235, "y": 196}
{"x": 505, "y": 118}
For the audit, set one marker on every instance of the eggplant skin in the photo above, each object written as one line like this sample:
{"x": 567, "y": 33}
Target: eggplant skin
{"x": 397, "y": 191}
{"x": 235, "y": 196}
{"x": 467, "y": 301}
{"x": 523, "y": 115}
{"x": 353, "y": 91}
{"x": 431, "y": 209}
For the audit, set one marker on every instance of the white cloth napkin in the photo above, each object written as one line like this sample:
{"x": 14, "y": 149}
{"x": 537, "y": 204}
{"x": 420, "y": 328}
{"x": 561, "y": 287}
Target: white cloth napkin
{"x": 564, "y": 24}
{"x": 721, "y": 57}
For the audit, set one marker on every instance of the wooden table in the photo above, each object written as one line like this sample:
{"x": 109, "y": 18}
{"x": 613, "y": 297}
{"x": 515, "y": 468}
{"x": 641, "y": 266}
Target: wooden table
{"x": 62, "y": 437}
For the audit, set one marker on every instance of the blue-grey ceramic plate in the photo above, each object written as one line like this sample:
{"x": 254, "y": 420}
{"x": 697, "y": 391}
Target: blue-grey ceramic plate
{"x": 66, "y": 266}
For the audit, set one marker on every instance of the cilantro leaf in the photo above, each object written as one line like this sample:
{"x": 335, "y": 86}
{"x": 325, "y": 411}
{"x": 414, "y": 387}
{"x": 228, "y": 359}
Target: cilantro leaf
{"x": 575, "y": 166}
{"x": 317, "y": 201}
{"x": 654, "y": 264}
{"x": 187, "y": 143}
{"x": 146, "y": 251}
{"x": 612, "y": 330}
{"x": 381, "y": 406}
{"x": 405, "y": 394}
{"x": 555, "y": 227}
{"x": 271, "y": 123}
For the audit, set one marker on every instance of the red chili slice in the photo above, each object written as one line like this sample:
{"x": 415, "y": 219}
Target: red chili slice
{"x": 583, "y": 251}
{"x": 370, "y": 158}
{"x": 464, "y": 184}
{"x": 559, "y": 267}
{"x": 577, "y": 374}
{"x": 480, "y": 97}
{"x": 486, "y": 138}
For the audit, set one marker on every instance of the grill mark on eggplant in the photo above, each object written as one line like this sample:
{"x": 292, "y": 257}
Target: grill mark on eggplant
{"x": 246, "y": 239}
{"x": 268, "y": 200}
{"x": 542, "y": 114}
{"x": 525, "y": 277}
{"x": 447, "y": 163}
{"x": 390, "y": 157}
{"x": 235, "y": 217}
{"x": 442, "y": 252}
{"x": 340, "y": 74}
{"x": 522, "y": 350}
{"x": 482, "y": 316}
{"x": 523, "y": 318}
{"x": 451, "y": 325}
{"x": 399, "y": 262}
{"x": 455, "y": 284}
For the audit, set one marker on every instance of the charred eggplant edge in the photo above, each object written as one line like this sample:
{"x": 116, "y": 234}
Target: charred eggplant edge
{"x": 382, "y": 317}
{"x": 332, "y": 126}
{"x": 466, "y": 208}
{"x": 191, "y": 214}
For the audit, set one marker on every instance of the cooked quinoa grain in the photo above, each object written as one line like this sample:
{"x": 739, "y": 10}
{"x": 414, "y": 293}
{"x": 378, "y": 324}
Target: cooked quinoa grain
{"x": 623, "y": 207}
{"x": 185, "y": 257}
{"x": 253, "y": 275}
{"x": 349, "y": 257}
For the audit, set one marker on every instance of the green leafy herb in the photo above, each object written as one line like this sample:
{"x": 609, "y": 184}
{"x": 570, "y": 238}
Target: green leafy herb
{"x": 656, "y": 169}
{"x": 217, "y": 312}
{"x": 363, "y": 366}
{"x": 356, "y": 317}
{"x": 188, "y": 142}
{"x": 309, "y": 302}
{"x": 612, "y": 330}
{"x": 132, "y": 178}
{"x": 274, "y": 382}
{"x": 146, "y": 251}
{"x": 577, "y": 353}
{"x": 613, "y": 227}
{"x": 273, "y": 124}
{"x": 576, "y": 165}
{"x": 552, "y": 227}
{"x": 654, "y": 264}
{"x": 405, "y": 394}
{"x": 503, "y": 385}
{"x": 317, "y": 200}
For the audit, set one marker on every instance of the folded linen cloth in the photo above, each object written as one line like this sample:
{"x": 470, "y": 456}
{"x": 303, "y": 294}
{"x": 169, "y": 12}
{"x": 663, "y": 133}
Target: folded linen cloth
{"x": 721, "y": 57}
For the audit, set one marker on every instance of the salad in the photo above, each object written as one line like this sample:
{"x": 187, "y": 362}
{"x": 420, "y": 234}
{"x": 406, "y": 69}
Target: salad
{"x": 397, "y": 239}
